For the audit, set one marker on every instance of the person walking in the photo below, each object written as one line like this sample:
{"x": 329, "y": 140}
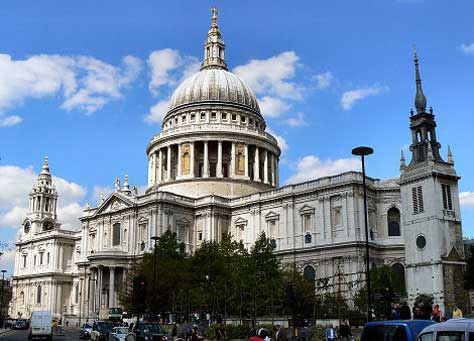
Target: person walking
{"x": 221, "y": 332}
{"x": 280, "y": 333}
{"x": 329, "y": 334}
{"x": 405, "y": 313}
{"x": 436, "y": 314}
{"x": 345, "y": 331}
{"x": 457, "y": 313}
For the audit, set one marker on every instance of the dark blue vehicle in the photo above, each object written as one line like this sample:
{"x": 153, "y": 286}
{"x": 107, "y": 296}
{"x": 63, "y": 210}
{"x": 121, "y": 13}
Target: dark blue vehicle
{"x": 397, "y": 330}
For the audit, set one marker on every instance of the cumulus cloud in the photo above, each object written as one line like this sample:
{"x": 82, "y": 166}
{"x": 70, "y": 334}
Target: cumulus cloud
{"x": 312, "y": 167}
{"x": 16, "y": 183}
{"x": 466, "y": 199}
{"x": 323, "y": 80}
{"x": 84, "y": 82}
{"x": 349, "y": 98}
{"x": 280, "y": 139}
{"x": 272, "y": 76}
{"x": 467, "y": 48}
{"x": 296, "y": 121}
{"x": 272, "y": 106}
{"x": 161, "y": 62}
{"x": 157, "y": 112}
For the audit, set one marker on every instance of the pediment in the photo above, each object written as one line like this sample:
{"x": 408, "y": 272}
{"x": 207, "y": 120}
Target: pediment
{"x": 240, "y": 221}
{"x": 272, "y": 215}
{"x": 307, "y": 209}
{"x": 114, "y": 203}
{"x": 182, "y": 221}
{"x": 454, "y": 256}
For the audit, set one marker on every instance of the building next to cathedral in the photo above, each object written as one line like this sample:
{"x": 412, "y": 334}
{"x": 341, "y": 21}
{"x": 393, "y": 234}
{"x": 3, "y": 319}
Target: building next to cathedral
{"x": 213, "y": 169}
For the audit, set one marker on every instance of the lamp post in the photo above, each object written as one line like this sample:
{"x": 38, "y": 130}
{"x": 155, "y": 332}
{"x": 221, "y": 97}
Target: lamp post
{"x": 1, "y": 298}
{"x": 155, "y": 239}
{"x": 362, "y": 152}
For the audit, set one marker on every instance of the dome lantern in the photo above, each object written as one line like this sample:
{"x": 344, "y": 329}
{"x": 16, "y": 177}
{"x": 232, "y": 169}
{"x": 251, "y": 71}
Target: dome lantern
{"x": 214, "y": 47}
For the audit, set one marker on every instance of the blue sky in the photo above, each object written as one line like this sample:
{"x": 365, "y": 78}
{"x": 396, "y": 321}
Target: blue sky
{"x": 86, "y": 83}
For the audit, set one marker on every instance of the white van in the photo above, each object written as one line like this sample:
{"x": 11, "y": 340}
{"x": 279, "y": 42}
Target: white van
{"x": 41, "y": 325}
{"x": 451, "y": 330}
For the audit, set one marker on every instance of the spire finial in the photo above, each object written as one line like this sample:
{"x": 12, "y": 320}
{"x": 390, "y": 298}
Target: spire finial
{"x": 403, "y": 165}
{"x": 214, "y": 17}
{"x": 420, "y": 99}
{"x": 450, "y": 156}
{"x": 45, "y": 169}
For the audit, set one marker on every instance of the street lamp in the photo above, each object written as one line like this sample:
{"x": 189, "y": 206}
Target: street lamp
{"x": 155, "y": 239}
{"x": 1, "y": 298}
{"x": 362, "y": 152}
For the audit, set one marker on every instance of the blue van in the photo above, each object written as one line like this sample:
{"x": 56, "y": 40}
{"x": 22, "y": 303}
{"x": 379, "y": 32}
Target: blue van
{"x": 396, "y": 330}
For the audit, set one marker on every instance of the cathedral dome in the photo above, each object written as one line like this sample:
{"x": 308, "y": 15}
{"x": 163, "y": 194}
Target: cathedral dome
{"x": 214, "y": 85}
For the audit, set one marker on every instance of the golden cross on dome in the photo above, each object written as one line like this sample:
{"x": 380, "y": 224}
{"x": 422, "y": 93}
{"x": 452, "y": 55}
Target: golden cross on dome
{"x": 214, "y": 16}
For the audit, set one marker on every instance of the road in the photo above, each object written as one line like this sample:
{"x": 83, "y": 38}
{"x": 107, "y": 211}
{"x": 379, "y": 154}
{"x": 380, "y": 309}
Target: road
{"x": 67, "y": 334}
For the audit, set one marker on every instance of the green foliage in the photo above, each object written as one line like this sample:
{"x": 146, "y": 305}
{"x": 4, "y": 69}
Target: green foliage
{"x": 233, "y": 332}
{"x": 425, "y": 303}
{"x": 317, "y": 334}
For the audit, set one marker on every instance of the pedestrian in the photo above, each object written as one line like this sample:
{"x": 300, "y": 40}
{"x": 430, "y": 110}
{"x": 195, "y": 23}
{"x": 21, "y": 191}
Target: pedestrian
{"x": 280, "y": 333}
{"x": 436, "y": 313}
{"x": 405, "y": 313}
{"x": 221, "y": 332}
{"x": 208, "y": 319}
{"x": 397, "y": 311}
{"x": 329, "y": 334}
{"x": 345, "y": 331}
{"x": 195, "y": 336}
{"x": 457, "y": 313}
{"x": 174, "y": 331}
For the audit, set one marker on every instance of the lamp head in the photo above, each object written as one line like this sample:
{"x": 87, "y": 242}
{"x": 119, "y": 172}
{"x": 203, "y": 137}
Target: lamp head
{"x": 362, "y": 151}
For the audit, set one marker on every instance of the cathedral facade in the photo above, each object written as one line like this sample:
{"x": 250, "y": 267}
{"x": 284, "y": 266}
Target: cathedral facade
{"x": 213, "y": 169}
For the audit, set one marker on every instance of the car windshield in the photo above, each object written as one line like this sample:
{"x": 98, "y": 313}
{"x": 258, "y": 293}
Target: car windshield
{"x": 120, "y": 330}
{"x": 115, "y": 311}
{"x": 450, "y": 336}
{"x": 150, "y": 327}
{"x": 385, "y": 332}
{"x": 104, "y": 327}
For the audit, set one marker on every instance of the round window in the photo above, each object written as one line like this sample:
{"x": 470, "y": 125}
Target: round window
{"x": 421, "y": 242}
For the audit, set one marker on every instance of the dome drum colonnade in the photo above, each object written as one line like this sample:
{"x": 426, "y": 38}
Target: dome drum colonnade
{"x": 213, "y": 132}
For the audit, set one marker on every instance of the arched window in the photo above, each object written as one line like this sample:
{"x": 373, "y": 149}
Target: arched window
{"x": 27, "y": 226}
{"x": 48, "y": 225}
{"x": 399, "y": 274}
{"x": 38, "y": 294}
{"x": 393, "y": 222}
{"x": 116, "y": 235}
{"x": 309, "y": 274}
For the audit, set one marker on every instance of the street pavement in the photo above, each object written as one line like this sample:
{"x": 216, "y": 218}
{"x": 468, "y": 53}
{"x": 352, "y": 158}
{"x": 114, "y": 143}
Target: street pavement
{"x": 66, "y": 334}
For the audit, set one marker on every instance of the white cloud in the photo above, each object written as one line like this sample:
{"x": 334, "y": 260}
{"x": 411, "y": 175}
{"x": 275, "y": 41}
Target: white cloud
{"x": 280, "y": 139}
{"x": 16, "y": 183}
{"x": 8, "y": 258}
{"x": 272, "y": 76}
{"x": 297, "y": 121}
{"x": 10, "y": 121}
{"x": 349, "y": 98}
{"x": 311, "y": 167}
{"x": 99, "y": 191}
{"x": 272, "y": 107}
{"x": 466, "y": 199}
{"x": 467, "y": 48}
{"x": 323, "y": 80}
{"x": 84, "y": 82}
{"x": 157, "y": 112}
{"x": 161, "y": 63}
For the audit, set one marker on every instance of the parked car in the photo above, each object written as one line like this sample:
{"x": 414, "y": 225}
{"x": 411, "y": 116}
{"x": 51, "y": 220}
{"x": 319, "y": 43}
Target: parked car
{"x": 85, "y": 332}
{"x": 451, "y": 330}
{"x": 118, "y": 333}
{"x": 150, "y": 331}
{"x": 20, "y": 324}
{"x": 394, "y": 330}
{"x": 41, "y": 325}
{"x": 100, "y": 330}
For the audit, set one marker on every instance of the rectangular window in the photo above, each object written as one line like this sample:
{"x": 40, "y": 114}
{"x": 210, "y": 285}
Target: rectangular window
{"x": 76, "y": 296}
{"x": 203, "y": 116}
{"x": 417, "y": 199}
{"x": 447, "y": 200}
{"x": 41, "y": 258}
{"x": 47, "y": 258}
{"x": 242, "y": 118}
{"x": 272, "y": 229}
{"x": 224, "y": 116}
{"x": 183, "y": 118}
{"x": 116, "y": 234}
{"x": 24, "y": 261}
{"x": 193, "y": 116}
{"x": 251, "y": 121}
{"x": 213, "y": 115}
{"x": 200, "y": 235}
{"x": 307, "y": 223}
{"x": 234, "y": 117}
{"x": 34, "y": 260}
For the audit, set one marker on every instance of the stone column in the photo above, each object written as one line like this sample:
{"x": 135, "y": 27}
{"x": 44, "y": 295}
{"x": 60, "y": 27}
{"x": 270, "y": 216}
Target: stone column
{"x": 272, "y": 169}
{"x": 168, "y": 164}
{"x": 59, "y": 299}
{"x": 99, "y": 287}
{"x": 277, "y": 175}
{"x": 153, "y": 173}
{"x": 111, "y": 287}
{"x": 191, "y": 161}
{"x": 219, "y": 160}
{"x": 246, "y": 160}
{"x": 232, "y": 160}
{"x": 61, "y": 257}
{"x": 265, "y": 166}
{"x": 206, "y": 161}
{"x": 256, "y": 165}
{"x": 160, "y": 165}
{"x": 178, "y": 176}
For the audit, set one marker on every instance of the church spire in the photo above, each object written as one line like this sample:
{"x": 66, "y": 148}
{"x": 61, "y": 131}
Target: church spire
{"x": 214, "y": 47}
{"x": 420, "y": 99}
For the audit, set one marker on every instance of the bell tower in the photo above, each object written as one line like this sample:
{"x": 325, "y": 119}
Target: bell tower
{"x": 43, "y": 201}
{"x": 431, "y": 219}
